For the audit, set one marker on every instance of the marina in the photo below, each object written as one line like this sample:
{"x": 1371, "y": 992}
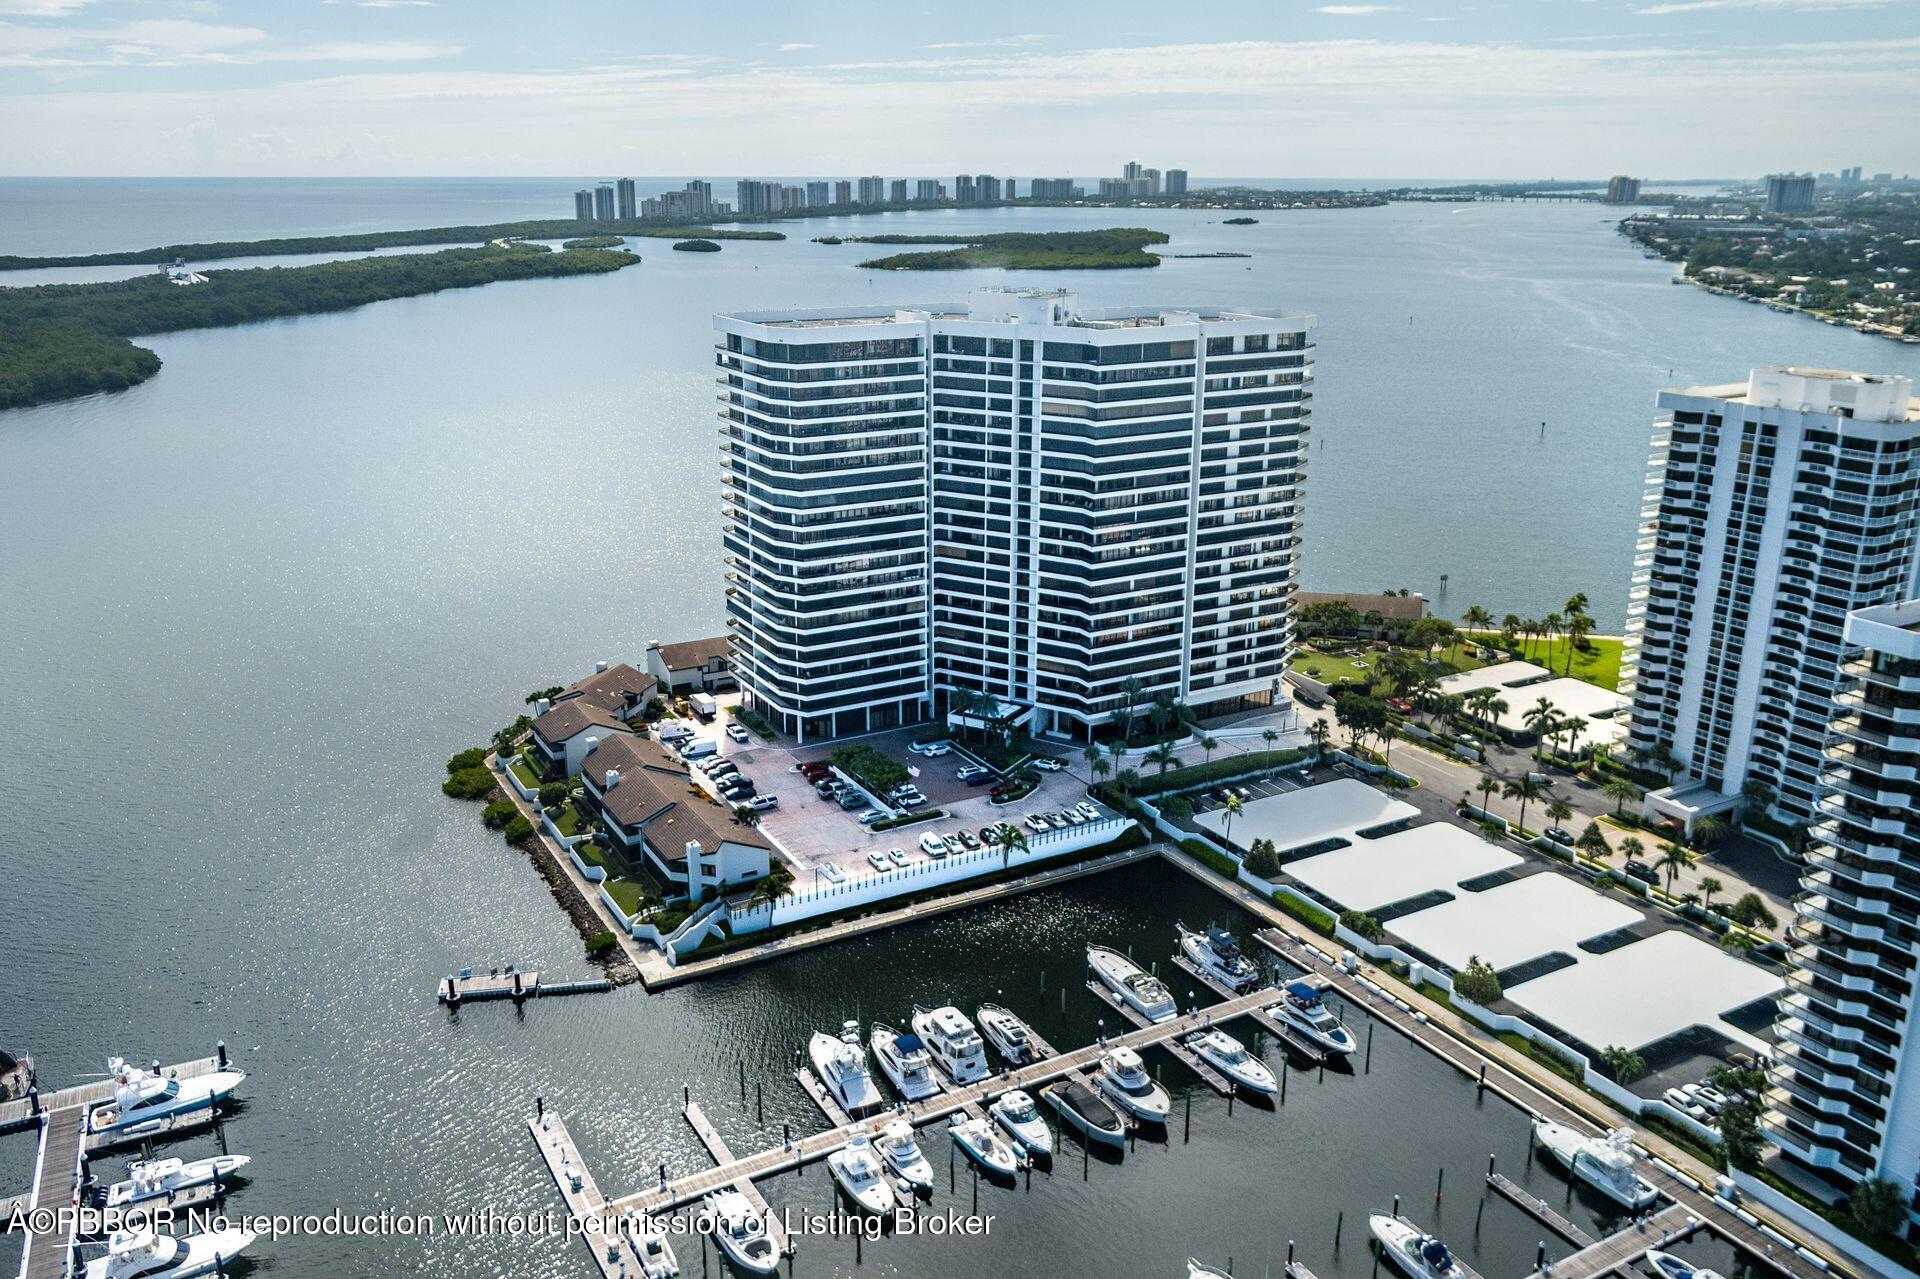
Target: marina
{"x": 466, "y": 987}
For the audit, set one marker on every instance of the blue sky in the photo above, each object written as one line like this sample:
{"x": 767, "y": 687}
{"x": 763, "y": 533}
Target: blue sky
{"x": 1269, "y": 88}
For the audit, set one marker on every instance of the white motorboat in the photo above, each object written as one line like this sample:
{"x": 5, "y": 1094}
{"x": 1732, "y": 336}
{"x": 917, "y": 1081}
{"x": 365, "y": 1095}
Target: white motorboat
{"x": 1123, "y": 1077}
{"x": 1201, "y": 1270}
{"x": 1605, "y": 1162}
{"x": 1304, "y": 1011}
{"x": 1229, "y": 1056}
{"x": 741, "y": 1233}
{"x": 1009, "y": 1035}
{"x": 160, "y": 1178}
{"x": 953, "y": 1042}
{"x": 862, "y": 1175}
{"x": 1141, "y": 991}
{"x": 903, "y": 1157}
{"x": 651, "y": 1251}
{"x": 146, "y": 1254}
{"x": 905, "y": 1061}
{"x": 1217, "y": 953}
{"x": 1669, "y": 1266}
{"x": 1082, "y": 1107}
{"x": 842, "y": 1066}
{"x": 1016, "y": 1112}
{"x": 143, "y": 1097}
{"x": 977, "y": 1138}
{"x": 1417, "y": 1254}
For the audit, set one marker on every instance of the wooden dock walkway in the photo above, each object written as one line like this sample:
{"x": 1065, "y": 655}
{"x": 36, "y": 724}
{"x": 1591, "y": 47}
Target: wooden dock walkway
{"x": 1539, "y": 1209}
{"x": 20, "y": 1113}
{"x": 1295, "y": 1043}
{"x": 1624, "y": 1247}
{"x": 47, "y": 1252}
{"x": 1181, "y": 1053}
{"x": 581, "y": 1194}
{"x": 469, "y": 988}
{"x": 722, "y": 1154}
{"x": 837, "y": 1117}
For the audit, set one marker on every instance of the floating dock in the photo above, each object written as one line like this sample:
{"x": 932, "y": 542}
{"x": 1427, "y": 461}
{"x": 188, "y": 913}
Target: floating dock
{"x": 721, "y": 1153}
{"x": 829, "y": 1106}
{"x": 1181, "y": 1053}
{"x": 467, "y": 987}
{"x": 1539, "y": 1209}
{"x": 1295, "y": 1043}
{"x": 1624, "y": 1247}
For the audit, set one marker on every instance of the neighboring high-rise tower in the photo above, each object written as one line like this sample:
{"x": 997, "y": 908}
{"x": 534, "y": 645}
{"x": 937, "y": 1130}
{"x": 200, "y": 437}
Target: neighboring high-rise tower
{"x": 1779, "y": 505}
{"x": 1846, "y": 1094}
{"x": 1622, "y": 189}
{"x": 624, "y": 202}
{"x": 1176, "y": 181}
{"x": 603, "y": 207}
{"x": 583, "y": 204}
{"x": 1082, "y": 499}
{"x": 1789, "y": 194}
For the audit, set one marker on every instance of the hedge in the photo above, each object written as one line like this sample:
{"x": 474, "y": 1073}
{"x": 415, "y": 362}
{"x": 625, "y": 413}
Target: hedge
{"x": 498, "y": 814}
{"x": 517, "y": 829}
{"x": 1312, "y": 916}
{"x": 1211, "y": 857}
{"x": 1220, "y": 770}
{"x": 472, "y": 757}
{"x": 469, "y": 783}
{"x": 895, "y": 823}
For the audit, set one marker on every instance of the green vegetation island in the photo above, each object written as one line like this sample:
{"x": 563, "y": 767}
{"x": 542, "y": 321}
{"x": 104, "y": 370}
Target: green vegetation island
{"x": 1239, "y": 221}
{"x": 547, "y": 229}
{"x": 62, "y": 341}
{"x": 696, "y": 246}
{"x": 595, "y": 242}
{"x": 1855, "y": 263}
{"x": 1116, "y": 247}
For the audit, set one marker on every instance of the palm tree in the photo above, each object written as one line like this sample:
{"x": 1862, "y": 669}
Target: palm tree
{"x": 1233, "y": 810}
{"x": 1476, "y": 618}
{"x": 1558, "y": 812}
{"x": 1100, "y": 767}
{"x": 1621, "y": 792}
{"x": 1131, "y": 691}
{"x": 1318, "y": 733}
{"x": 1387, "y": 733}
{"x": 1163, "y": 757}
{"x": 1529, "y": 631}
{"x": 988, "y": 709}
{"x": 1487, "y": 787}
{"x": 1673, "y": 858}
{"x": 772, "y": 886}
{"x": 1526, "y": 790}
{"x": 1510, "y": 629}
{"x": 1708, "y": 830}
{"x": 1631, "y": 848}
{"x": 1127, "y": 780}
{"x": 1576, "y": 604}
{"x": 1092, "y": 753}
{"x": 1208, "y": 745}
{"x": 1539, "y": 719}
{"x": 1116, "y": 754}
{"x": 1708, "y": 887}
{"x": 1550, "y": 626}
{"x": 1495, "y": 707}
{"x": 962, "y": 702}
{"x": 1010, "y": 838}
{"x": 1271, "y": 736}
{"x": 1578, "y": 625}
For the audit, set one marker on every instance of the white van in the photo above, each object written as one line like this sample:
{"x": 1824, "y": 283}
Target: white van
{"x": 671, "y": 731}
{"x": 699, "y": 748}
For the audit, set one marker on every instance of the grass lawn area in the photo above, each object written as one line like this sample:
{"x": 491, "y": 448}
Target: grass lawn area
{"x": 1330, "y": 668}
{"x": 524, "y": 771}
{"x": 570, "y": 819}
{"x": 627, "y": 893}
{"x": 1598, "y": 665}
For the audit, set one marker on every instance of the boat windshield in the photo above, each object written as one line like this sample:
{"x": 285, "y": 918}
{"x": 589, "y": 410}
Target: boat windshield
{"x": 1230, "y": 1052}
{"x": 1435, "y": 1254}
{"x": 1021, "y": 1111}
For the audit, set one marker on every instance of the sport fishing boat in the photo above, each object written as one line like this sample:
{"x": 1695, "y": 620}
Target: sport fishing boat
{"x": 953, "y": 1041}
{"x": 905, "y": 1062}
{"x": 977, "y": 1138}
{"x": 1303, "y": 1010}
{"x": 1217, "y": 954}
{"x": 1417, "y": 1254}
{"x": 842, "y": 1066}
{"x": 861, "y": 1174}
{"x": 1670, "y": 1266}
{"x": 1016, "y": 1112}
{"x": 143, "y": 1097}
{"x": 1605, "y": 1162}
{"x": 1201, "y": 1270}
{"x": 1082, "y": 1107}
{"x": 1123, "y": 1077}
{"x": 1138, "y": 989}
{"x": 651, "y": 1251}
{"x": 902, "y": 1155}
{"x": 1228, "y": 1056}
{"x": 741, "y": 1233}
{"x": 146, "y": 1254}
{"x": 1009, "y": 1035}
{"x": 162, "y": 1178}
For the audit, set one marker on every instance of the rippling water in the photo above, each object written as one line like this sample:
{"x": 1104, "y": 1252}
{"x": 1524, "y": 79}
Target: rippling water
{"x": 250, "y": 606}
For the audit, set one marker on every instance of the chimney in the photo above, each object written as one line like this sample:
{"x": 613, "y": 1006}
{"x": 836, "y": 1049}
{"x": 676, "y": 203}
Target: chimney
{"x": 541, "y": 707}
{"x": 613, "y": 778}
{"x": 592, "y": 742}
{"x": 599, "y": 668}
{"x": 653, "y": 646}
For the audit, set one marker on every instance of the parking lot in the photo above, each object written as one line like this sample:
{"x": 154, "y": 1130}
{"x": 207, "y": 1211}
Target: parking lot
{"x": 815, "y": 832}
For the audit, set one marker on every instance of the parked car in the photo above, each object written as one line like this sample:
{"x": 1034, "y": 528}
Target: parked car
{"x": 1642, "y": 872}
{"x": 982, "y": 777}
{"x": 869, "y": 817}
{"x": 914, "y": 800}
{"x": 933, "y": 845}
{"x": 737, "y": 732}
{"x": 814, "y": 770}
{"x": 1048, "y": 763}
{"x": 931, "y": 749}
{"x": 761, "y": 803}
{"x": 1559, "y": 834}
{"x": 906, "y": 791}
{"x": 671, "y": 732}
{"x": 1088, "y": 811}
{"x": 967, "y": 838}
{"x": 879, "y": 861}
{"x": 1036, "y": 823}
{"x": 721, "y": 768}
{"x": 826, "y": 789}
{"x": 990, "y": 835}
{"x": 699, "y": 748}
{"x": 851, "y": 798}
{"x": 898, "y": 856}
{"x": 738, "y": 784}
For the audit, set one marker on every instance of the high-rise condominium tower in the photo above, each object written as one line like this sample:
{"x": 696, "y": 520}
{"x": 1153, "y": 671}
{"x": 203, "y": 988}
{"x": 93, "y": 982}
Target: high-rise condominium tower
{"x": 1067, "y": 509}
{"x": 1779, "y": 505}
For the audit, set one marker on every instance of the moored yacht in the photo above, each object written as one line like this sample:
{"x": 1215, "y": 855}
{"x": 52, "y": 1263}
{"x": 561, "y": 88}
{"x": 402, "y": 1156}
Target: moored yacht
{"x": 902, "y": 1155}
{"x": 1230, "y": 1057}
{"x": 1123, "y": 1077}
{"x": 741, "y": 1233}
{"x": 862, "y": 1175}
{"x": 142, "y": 1097}
{"x": 905, "y": 1062}
{"x": 1016, "y": 1112}
{"x": 1302, "y": 1010}
{"x": 1201, "y": 1270}
{"x": 842, "y": 1066}
{"x": 977, "y": 1138}
{"x": 651, "y": 1251}
{"x": 1670, "y": 1266}
{"x": 159, "y": 1178}
{"x": 1417, "y": 1254}
{"x": 1605, "y": 1162}
{"x": 1138, "y": 989}
{"x": 953, "y": 1041}
{"x": 1217, "y": 954}
{"x": 146, "y": 1254}
{"x": 1082, "y": 1107}
{"x": 1009, "y": 1035}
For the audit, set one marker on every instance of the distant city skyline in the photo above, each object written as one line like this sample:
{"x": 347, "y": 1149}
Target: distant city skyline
{"x": 1419, "y": 90}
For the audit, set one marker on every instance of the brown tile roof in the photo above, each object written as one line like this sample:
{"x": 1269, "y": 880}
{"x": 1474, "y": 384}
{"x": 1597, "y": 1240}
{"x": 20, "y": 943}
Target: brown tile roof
{"x": 1409, "y": 608}
{"x": 609, "y": 688}
{"x": 654, "y": 792}
{"x": 694, "y": 653}
{"x": 574, "y": 716}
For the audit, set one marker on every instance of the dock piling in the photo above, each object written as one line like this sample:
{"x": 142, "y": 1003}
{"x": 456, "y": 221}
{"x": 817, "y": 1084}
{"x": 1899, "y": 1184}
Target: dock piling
{"x": 539, "y": 1104}
{"x": 1369, "y": 1069}
{"x": 1339, "y": 1221}
{"x": 1440, "y": 1184}
{"x": 220, "y": 1052}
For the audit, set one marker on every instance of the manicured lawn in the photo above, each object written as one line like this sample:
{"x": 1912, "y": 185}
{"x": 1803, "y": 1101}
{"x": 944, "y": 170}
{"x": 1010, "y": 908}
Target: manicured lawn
{"x": 570, "y": 819}
{"x": 1598, "y": 665}
{"x": 524, "y": 771}
{"x": 627, "y": 893}
{"x": 1330, "y": 668}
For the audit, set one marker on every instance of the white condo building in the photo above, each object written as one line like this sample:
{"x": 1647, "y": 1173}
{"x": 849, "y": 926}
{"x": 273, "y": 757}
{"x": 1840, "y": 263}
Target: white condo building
{"x": 1777, "y": 506}
{"x": 1014, "y": 496}
{"x": 1846, "y": 1096}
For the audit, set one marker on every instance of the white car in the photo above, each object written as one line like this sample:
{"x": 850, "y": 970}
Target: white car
{"x": 898, "y": 856}
{"x": 834, "y": 875}
{"x": 930, "y": 749}
{"x": 1038, "y": 824}
{"x": 761, "y": 803}
{"x": 737, "y": 732}
{"x": 879, "y": 861}
{"x": 871, "y": 816}
{"x": 933, "y": 845}
{"x": 1048, "y": 763}
{"x": 1087, "y": 811}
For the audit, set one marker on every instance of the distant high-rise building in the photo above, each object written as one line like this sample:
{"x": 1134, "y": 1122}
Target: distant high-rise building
{"x": 1117, "y": 188}
{"x": 897, "y": 191}
{"x": 1176, "y": 182}
{"x": 1132, "y": 171}
{"x": 843, "y": 192}
{"x": 926, "y": 189}
{"x": 1012, "y": 189}
{"x": 583, "y": 204}
{"x": 986, "y": 189}
{"x": 1062, "y": 188}
{"x": 963, "y": 189}
{"x": 1622, "y": 189}
{"x": 764, "y": 197}
{"x": 1845, "y": 1099}
{"x": 793, "y": 197}
{"x": 1779, "y": 504}
{"x": 699, "y": 198}
{"x": 1789, "y": 193}
{"x": 603, "y": 207}
{"x": 624, "y": 203}
{"x": 873, "y": 190}
{"x": 1152, "y": 178}
{"x": 818, "y": 193}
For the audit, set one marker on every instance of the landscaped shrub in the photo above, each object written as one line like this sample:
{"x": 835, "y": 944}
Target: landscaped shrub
{"x": 472, "y": 757}
{"x": 1220, "y": 770}
{"x": 1477, "y": 983}
{"x": 1362, "y": 925}
{"x": 498, "y": 814}
{"x": 517, "y": 829}
{"x": 1263, "y": 860}
{"x": 469, "y": 783}
{"x": 1312, "y": 916}
{"x": 553, "y": 794}
{"x": 1211, "y": 857}
{"x": 601, "y": 943}
{"x": 873, "y": 769}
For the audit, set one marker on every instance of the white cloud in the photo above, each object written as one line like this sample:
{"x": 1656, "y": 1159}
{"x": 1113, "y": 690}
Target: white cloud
{"x": 1797, "y": 6}
{"x": 1356, "y": 10}
{"x": 166, "y": 42}
{"x": 42, "y": 8}
{"x": 1003, "y": 42}
{"x": 796, "y": 46}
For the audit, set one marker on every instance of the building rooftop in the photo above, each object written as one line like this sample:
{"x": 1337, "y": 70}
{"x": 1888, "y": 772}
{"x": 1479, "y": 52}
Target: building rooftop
{"x": 609, "y": 688}
{"x": 692, "y": 654}
{"x": 656, "y": 791}
{"x": 1868, "y": 397}
{"x": 1372, "y": 873}
{"x": 1008, "y": 305}
{"x": 1309, "y": 815}
{"x": 574, "y": 716}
